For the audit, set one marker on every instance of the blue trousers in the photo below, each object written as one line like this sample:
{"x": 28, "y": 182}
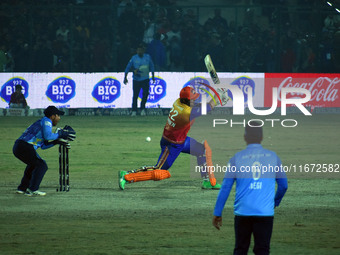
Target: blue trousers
{"x": 35, "y": 169}
{"x": 260, "y": 227}
{"x": 170, "y": 152}
{"x": 137, "y": 86}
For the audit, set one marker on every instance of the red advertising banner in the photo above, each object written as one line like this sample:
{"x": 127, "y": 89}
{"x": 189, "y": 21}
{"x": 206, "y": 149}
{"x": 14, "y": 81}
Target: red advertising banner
{"x": 324, "y": 88}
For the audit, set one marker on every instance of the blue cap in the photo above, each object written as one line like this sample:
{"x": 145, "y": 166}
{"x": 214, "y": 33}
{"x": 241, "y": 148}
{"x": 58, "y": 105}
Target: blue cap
{"x": 52, "y": 110}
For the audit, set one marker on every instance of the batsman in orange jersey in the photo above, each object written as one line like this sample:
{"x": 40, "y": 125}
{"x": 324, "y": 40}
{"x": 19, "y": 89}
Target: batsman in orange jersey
{"x": 175, "y": 141}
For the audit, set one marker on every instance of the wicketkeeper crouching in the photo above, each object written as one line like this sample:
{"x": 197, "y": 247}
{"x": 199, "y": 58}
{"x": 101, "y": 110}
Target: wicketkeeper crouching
{"x": 39, "y": 135}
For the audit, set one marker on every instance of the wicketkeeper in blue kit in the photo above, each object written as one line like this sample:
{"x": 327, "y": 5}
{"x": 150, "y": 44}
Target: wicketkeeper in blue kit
{"x": 39, "y": 135}
{"x": 256, "y": 171}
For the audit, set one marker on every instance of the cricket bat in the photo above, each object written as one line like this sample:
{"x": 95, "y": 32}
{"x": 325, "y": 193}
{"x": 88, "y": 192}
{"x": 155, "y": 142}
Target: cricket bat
{"x": 211, "y": 69}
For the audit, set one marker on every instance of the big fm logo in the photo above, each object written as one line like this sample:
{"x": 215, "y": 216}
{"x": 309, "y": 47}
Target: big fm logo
{"x": 157, "y": 90}
{"x": 245, "y": 84}
{"x": 200, "y": 85}
{"x": 61, "y": 90}
{"x": 106, "y": 90}
{"x": 9, "y": 87}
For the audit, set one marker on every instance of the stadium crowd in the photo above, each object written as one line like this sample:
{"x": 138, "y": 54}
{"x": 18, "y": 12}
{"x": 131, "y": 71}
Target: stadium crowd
{"x": 101, "y": 36}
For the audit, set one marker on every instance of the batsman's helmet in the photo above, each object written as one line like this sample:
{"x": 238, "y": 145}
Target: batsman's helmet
{"x": 188, "y": 92}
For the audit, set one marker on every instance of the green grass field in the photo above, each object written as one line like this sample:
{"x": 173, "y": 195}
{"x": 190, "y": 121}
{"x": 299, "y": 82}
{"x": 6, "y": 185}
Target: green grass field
{"x": 172, "y": 216}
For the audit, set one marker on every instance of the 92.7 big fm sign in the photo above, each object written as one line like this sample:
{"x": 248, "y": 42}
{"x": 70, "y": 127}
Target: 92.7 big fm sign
{"x": 157, "y": 91}
{"x": 8, "y": 88}
{"x": 106, "y": 90}
{"x": 61, "y": 90}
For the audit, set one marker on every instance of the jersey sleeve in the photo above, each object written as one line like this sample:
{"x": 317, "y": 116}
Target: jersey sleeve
{"x": 231, "y": 169}
{"x": 128, "y": 66}
{"x": 282, "y": 184}
{"x": 227, "y": 184}
{"x": 47, "y": 145}
{"x": 223, "y": 195}
{"x": 47, "y": 133}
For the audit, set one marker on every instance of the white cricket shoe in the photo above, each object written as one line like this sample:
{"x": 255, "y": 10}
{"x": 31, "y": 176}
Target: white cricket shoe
{"x": 31, "y": 193}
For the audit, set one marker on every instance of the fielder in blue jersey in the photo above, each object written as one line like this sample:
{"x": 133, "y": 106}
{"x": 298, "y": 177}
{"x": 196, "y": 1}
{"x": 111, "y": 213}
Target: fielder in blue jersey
{"x": 38, "y": 135}
{"x": 141, "y": 65}
{"x": 256, "y": 172}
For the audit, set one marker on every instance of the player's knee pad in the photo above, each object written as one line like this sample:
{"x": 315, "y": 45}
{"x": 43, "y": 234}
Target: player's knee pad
{"x": 158, "y": 174}
{"x": 155, "y": 175}
{"x": 208, "y": 155}
{"x": 208, "y": 152}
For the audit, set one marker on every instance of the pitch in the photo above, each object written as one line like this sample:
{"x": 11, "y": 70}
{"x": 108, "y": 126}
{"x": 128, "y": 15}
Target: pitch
{"x": 168, "y": 217}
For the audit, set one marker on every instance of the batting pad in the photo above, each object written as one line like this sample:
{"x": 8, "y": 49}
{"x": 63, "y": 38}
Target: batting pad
{"x": 208, "y": 155}
{"x": 155, "y": 175}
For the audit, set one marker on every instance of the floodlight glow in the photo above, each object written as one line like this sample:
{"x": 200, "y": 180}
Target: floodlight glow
{"x": 337, "y": 10}
{"x": 329, "y": 3}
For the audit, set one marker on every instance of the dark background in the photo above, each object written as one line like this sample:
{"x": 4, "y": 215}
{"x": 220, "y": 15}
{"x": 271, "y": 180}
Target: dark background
{"x": 101, "y": 36}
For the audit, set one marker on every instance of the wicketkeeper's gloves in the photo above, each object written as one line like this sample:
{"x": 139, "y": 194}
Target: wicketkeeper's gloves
{"x": 67, "y": 134}
{"x": 71, "y": 131}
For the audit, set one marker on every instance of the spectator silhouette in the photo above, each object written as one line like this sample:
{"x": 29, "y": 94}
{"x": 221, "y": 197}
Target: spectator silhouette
{"x": 157, "y": 52}
{"x": 189, "y": 47}
{"x": 218, "y": 21}
{"x": 21, "y": 55}
{"x": 18, "y": 99}
{"x": 3, "y": 58}
{"x": 149, "y": 27}
{"x": 43, "y": 56}
{"x": 63, "y": 31}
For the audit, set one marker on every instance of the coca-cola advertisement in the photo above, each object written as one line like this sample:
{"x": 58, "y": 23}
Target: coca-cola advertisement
{"x": 324, "y": 88}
